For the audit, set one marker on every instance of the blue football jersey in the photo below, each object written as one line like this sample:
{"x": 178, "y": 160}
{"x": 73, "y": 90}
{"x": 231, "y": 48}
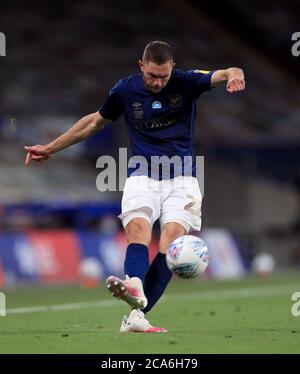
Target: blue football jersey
{"x": 160, "y": 125}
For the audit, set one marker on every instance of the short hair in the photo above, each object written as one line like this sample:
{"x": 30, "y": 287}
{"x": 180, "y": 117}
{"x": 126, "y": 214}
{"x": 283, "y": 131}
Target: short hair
{"x": 158, "y": 52}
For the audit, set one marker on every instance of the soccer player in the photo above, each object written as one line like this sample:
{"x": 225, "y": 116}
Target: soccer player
{"x": 159, "y": 105}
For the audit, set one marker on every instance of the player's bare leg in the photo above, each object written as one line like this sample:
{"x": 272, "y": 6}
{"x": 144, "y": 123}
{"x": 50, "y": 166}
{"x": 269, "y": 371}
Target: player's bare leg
{"x": 170, "y": 232}
{"x": 138, "y": 230}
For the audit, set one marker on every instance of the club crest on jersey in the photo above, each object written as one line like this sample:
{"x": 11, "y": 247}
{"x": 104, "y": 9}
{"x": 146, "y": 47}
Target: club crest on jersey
{"x": 175, "y": 101}
{"x": 156, "y": 105}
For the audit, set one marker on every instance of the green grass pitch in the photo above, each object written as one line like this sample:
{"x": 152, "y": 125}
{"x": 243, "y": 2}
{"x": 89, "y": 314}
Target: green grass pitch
{"x": 203, "y": 316}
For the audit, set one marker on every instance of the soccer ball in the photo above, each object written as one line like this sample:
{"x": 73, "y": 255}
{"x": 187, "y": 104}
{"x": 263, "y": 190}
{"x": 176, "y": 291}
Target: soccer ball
{"x": 187, "y": 256}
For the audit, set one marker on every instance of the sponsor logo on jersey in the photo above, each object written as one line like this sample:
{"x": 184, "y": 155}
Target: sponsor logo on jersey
{"x": 160, "y": 122}
{"x": 156, "y": 105}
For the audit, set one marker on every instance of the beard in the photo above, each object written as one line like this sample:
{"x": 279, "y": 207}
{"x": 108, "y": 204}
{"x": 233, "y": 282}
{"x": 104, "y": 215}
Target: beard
{"x": 151, "y": 88}
{"x": 155, "y": 90}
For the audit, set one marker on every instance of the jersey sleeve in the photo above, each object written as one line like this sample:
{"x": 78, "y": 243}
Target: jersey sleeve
{"x": 200, "y": 81}
{"x": 113, "y": 106}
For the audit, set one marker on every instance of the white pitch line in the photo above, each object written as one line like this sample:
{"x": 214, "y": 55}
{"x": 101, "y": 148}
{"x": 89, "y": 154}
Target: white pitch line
{"x": 205, "y": 295}
{"x": 59, "y": 307}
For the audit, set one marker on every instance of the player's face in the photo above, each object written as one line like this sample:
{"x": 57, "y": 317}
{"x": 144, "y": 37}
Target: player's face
{"x": 156, "y": 76}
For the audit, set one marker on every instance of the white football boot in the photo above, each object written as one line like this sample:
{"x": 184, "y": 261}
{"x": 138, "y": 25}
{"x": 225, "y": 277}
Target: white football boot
{"x": 130, "y": 290}
{"x": 136, "y": 322}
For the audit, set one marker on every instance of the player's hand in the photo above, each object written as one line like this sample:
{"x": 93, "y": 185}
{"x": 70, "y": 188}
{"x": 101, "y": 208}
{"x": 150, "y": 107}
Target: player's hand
{"x": 37, "y": 153}
{"x": 235, "y": 85}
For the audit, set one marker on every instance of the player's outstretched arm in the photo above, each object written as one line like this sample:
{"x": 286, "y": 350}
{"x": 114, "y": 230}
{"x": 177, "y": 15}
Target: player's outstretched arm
{"x": 87, "y": 126}
{"x": 233, "y": 76}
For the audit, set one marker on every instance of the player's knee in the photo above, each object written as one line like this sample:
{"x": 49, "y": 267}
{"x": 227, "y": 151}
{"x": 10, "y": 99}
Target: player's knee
{"x": 138, "y": 230}
{"x": 166, "y": 240}
{"x": 170, "y": 233}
